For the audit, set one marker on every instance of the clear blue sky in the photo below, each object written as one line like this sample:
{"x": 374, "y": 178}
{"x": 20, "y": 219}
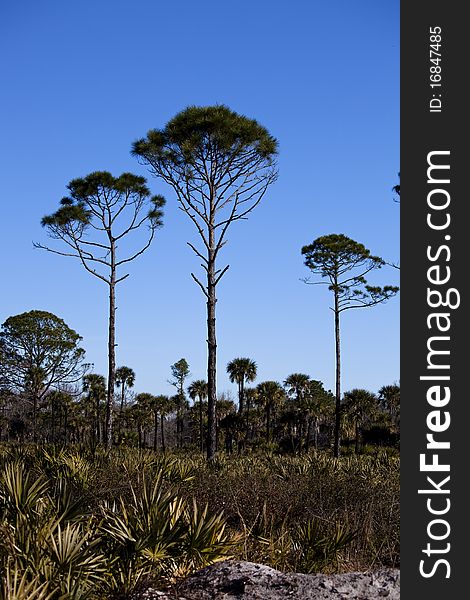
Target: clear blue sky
{"x": 82, "y": 80}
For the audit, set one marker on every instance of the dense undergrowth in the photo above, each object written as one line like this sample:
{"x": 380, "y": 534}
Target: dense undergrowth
{"x": 79, "y": 525}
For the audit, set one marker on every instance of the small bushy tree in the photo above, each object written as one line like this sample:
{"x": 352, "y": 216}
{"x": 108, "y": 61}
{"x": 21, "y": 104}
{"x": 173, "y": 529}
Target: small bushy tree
{"x": 39, "y": 352}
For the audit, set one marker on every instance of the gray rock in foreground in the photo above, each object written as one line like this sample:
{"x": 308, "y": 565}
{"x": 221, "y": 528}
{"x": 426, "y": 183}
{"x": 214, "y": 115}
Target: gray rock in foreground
{"x": 231, "y": 580}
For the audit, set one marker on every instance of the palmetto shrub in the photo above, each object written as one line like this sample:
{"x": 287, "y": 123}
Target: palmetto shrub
{"x": 160, "y": 534}
{"x": 45, "y": 549}
{"x": 77, "y": 523}
{"x": 56, "y": 545}
{"x": 21, "y": 586}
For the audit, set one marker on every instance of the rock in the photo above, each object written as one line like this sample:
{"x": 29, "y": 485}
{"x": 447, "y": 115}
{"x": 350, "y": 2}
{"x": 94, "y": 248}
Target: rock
{"x": 233, "y": 580}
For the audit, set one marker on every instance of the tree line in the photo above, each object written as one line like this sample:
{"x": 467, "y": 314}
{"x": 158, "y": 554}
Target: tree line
{"x": 219, "y": 165}
{"x": 291, "y": 416}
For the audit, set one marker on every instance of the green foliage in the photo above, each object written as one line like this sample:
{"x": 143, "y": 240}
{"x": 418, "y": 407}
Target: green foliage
{"x": 334, "y": 256}
{"x": 77, "y": 211}
{"x": 198, "y": 389}
{"x": 180, "y": 370}
{"x": 125, "y": 377}
{"x": 38, "y": 350}
{"x": 351, "y": 503}
{"x": 220, "y": 165}
{"x": 199, "y": 128}
{"x": 242, "y": 370}
{"x": 316, "y": 547}
{"x": 55, "y": 544}
{"x": 15, "y": 585}
{"x": 80, "y": 525}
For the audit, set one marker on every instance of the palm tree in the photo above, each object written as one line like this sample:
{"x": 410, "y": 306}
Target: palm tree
{"x": 360, "y": 405}
{"x": 296, "y": 386}
{"x": 144, "y": 404}
{"x": 223, "y": 409}
{"x": 316, "y": 402}
{"x": 241, "y": 371}
{"x": 250, "y": 395}
{"x": 270, "y": 396}
{"x": 198, "y": 389}
{"x": 158, "y": 406}
{"x": 125, "y": 378}
{"x": 166, "y": 406}
{"x": 389, "y": 396}
{"x": 94, "y": 386}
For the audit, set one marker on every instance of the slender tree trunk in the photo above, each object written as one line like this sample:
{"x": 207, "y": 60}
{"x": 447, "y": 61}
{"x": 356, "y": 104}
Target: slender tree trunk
{"x": 181, "y": 420}
{"x": 307, "y": 439}
{"x": 111, "y": 353}
{"x": 304, "y": 430}
{"x": 162, "y": 431}
{"x": 201, "y": 432}
{"x": 336, "y": 449}
{"x": 155, "y": 432}
{"x": 301, "y": 422}
{"x": 241, "y": 410}
{"x": 247, "y": 420}
{"x": 121, "y": 408}
{"x": 356, "y": 447}
{"x": 211, "y": 355}
{"x": 315, "y": 434}
{"x": 240, "y": 397}
{"x": 268, "y": 422}
{"x": 98, "y": 424}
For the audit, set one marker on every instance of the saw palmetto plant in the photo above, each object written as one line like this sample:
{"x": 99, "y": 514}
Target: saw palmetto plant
{"x": 159, "y": 534}
{"x": 53, "y": 546}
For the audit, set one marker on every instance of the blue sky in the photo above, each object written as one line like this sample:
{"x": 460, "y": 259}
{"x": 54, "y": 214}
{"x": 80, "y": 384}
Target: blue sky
{"x": 82, "y": 80}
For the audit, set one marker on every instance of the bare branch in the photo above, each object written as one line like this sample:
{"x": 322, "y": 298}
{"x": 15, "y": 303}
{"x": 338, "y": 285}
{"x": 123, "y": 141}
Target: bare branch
{"x": 204, "y": 291}
{"x": 221, "y": 274}
{"x": 141, "y": 251}
{"x": 122, "y": 278}
{"x": 196, "y": 251}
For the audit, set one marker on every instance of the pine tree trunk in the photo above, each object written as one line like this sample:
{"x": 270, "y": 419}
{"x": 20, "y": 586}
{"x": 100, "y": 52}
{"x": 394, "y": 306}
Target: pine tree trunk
{"x": 338, "y": 378}
{"x": 111, "y": 355}
{"x": 121, "y": 409}
{"x": 211, "y": 357}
